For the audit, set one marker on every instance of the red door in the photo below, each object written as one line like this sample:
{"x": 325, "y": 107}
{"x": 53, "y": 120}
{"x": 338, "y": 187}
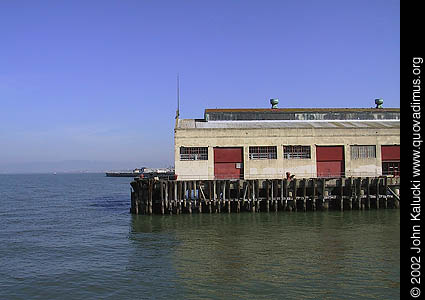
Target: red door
{"x": 228, "y": 163}
{"x": 330, "y": 161}
{"x": 390, "y": 160}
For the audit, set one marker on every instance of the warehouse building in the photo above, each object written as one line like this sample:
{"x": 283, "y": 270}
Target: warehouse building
{"x": 280, "y": 143}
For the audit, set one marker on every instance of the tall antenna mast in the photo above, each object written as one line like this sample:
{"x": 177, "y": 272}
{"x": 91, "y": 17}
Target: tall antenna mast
{"x": 178, "y": 97}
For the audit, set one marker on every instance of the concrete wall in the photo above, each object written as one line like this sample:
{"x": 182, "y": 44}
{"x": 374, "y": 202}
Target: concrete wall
{"x": 277, "y": 168}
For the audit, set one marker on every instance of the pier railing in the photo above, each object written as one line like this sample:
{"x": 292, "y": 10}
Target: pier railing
{"x": 150, "y": 196}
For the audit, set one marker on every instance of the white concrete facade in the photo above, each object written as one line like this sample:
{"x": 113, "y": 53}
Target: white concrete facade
{"x": 187, "y": 134}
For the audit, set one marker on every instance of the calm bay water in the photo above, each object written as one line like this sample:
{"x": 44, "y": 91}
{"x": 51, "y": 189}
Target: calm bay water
{"x": 72, "y": 237}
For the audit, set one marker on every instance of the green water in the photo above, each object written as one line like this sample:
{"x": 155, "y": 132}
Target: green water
{"x": 71, "y": 237}
{"x": 317, "y": 255}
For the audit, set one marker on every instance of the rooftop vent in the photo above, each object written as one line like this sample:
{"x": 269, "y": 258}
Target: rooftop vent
{"x": 379, "y": 102}
{"x": 274, "y": 102}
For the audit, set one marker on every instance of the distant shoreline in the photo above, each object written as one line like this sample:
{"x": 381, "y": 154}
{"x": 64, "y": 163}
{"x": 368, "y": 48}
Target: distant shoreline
{"x": 52, "y": 173}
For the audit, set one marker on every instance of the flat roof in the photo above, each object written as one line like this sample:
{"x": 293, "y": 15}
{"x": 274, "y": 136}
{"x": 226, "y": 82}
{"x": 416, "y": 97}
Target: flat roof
{"x": 289, "y": 124}
{"x": 272, "y": 110}
{"x": 259, "y": 114}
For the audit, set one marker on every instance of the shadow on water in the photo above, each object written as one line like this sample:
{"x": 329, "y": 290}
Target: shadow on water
{"x": 117, "y": 203}
{"x": 301, "y": 255}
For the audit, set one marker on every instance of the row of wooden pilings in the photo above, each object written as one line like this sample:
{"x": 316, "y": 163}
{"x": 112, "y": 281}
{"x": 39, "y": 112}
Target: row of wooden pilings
{"x": 151, "y": 196}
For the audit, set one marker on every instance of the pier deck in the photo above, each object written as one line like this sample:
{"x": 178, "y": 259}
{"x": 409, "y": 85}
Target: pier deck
{"x": 150, "y": 196}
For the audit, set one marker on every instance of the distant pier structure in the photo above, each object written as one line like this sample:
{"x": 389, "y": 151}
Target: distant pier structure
{"x": 274, "y": 158}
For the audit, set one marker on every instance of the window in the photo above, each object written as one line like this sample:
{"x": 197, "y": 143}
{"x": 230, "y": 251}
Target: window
{"x": 193, "y": 153}
{"x": 263, "y": 152}
{"x": 296, "y": 152}
{"x": 391, "y": 168}
{"x": 363, "y": 152}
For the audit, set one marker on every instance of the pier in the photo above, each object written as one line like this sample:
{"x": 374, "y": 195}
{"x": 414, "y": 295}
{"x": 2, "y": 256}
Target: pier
{"x": 159, "y": 196}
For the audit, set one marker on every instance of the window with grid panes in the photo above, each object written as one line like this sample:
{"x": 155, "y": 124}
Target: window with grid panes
{"x": 363, "y": 152}
{"x": 263, "y": 152}
{"x": 391, "y": 168}
{"x": 296, "y": 152}
{"x": 193, "y": 153}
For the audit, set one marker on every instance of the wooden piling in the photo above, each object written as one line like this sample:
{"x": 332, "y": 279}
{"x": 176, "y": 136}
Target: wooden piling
{"x": 276, "y": 189}
{"x": 195, "y": 194}
{"x": 385, "y": 192}
{"x": 245, "y": 192}
{"x": 227, "y": 186}
{"x": 215, "y": 195}
{"x": 161, "y": 184}
{"x": 396, "y": 200}
{"x": 184, "y": 194}
{"x": 255, "y": 193}
{"x": 189, "y": 198}
{"x": 322, "y": 191}
{"x": 304, "y": 194}
{"x": 238, "y": 196}
{"x": 282, "y": 183}
{"x": 150, "y": 196}
{"x": 377, "y": 193}
{"x": 341, "y": 194}
{"x": 314, "y": 207}
{"x": 359, "y": 194}
{"x": 179, "y": 195}
{"x": 253, "y": 197}
{"x": 368, "y": 193}
{"x": 220, "y": 195}
{"x": 210, "y": 197}
{"x": 294, "y": 193}
{"x": 267, "y": 196}
{"x": 136, "y": 201}
{"x": 350, "y": 192}
{"x": 286, "y": 194}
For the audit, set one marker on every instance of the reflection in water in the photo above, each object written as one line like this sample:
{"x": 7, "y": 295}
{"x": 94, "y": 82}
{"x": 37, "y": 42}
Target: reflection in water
{"x": 322, "y": 255}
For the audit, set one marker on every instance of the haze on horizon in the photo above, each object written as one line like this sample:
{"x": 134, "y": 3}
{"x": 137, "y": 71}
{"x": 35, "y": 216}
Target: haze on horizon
{"x": 93, "y": 83}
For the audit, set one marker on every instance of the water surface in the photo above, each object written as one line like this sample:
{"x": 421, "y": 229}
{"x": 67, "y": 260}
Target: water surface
{"x": 70, "y": 236}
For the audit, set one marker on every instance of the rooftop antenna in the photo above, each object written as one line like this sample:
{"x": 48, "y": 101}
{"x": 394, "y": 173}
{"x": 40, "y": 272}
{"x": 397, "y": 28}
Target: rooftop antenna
{"x": 178, "y": 97}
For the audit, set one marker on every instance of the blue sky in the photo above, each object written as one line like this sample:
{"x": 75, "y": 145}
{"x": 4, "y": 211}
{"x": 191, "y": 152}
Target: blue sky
{"x": 96, "y": 80}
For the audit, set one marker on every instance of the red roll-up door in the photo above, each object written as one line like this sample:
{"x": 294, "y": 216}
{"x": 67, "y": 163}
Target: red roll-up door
{"x": 390, "y": 153}
{"x": 330, "y": 161}
{"x": 228, "y": 163}
{"x": 390, "y": 160}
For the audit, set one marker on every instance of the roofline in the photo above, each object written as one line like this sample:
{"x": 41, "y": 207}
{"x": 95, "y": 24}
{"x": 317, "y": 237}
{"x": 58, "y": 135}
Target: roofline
{"x": 292, "y": 121}
{"x": 208, "y": 110}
